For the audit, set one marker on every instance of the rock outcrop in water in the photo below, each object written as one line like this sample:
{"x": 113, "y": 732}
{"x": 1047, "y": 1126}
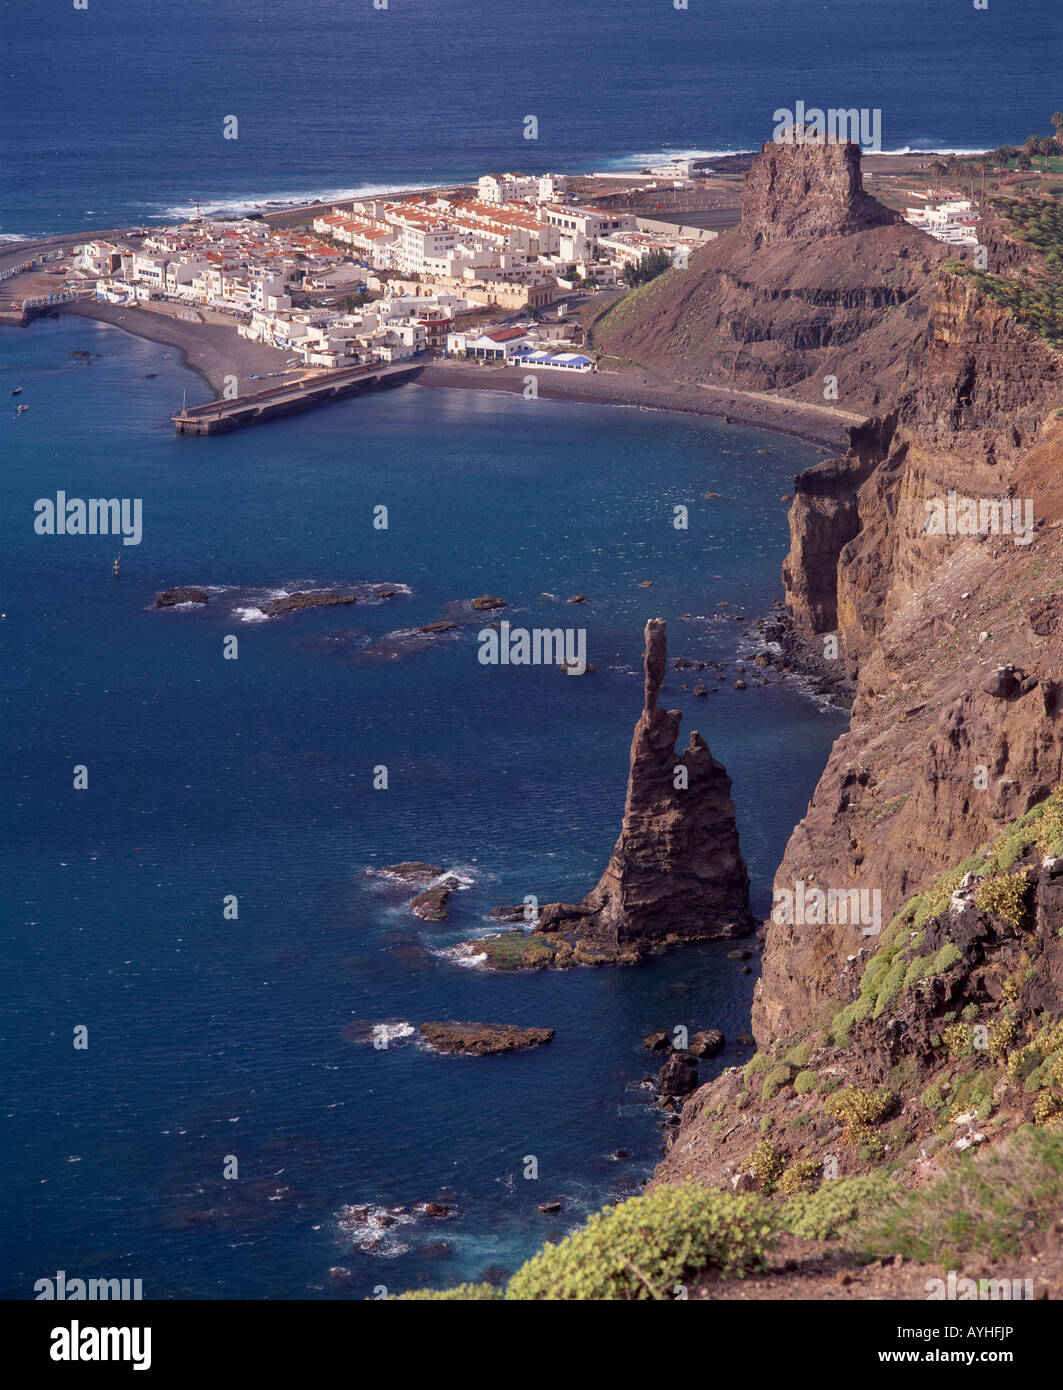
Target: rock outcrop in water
{"x": 676, "y": 873}
{"x": 481, "y": 1039}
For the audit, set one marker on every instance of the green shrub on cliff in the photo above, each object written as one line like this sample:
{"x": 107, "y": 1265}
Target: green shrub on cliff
{"x": 766, "y": 1164}
{"x": 936, "y": 899}
{"x": 801, "y": 1176}
{"x": 1008, "y": 896}
{"x": 825, "y": 1213}
{"x": 945, "y": 959}
{"x": 645, "y": 1247}
{"x": 890, "y": 987}
{"x": 858, "y": 1110}
{"x": 778, "y": 1077}
{"x": 804, "y": 1082}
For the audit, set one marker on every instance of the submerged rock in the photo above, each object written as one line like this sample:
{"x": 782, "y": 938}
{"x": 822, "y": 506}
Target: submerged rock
{"x": 291, "y": 603}
{"x": 479, "y": 1039}
{"x": 186, "y": 593}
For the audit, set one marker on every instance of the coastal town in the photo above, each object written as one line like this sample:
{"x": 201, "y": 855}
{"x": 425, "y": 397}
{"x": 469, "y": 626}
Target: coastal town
{"x": 386, "y": 279}
{"x": 286, "y": 306}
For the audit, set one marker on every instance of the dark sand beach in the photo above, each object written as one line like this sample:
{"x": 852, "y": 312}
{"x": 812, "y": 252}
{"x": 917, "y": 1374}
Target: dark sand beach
{"x": 215, "y": 351}
{"x": 640, "y": 388}
{"x": 212, "y": 350}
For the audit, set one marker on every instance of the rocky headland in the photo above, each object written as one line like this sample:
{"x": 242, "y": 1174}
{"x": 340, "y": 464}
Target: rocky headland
{"x": 891, "y": 1050}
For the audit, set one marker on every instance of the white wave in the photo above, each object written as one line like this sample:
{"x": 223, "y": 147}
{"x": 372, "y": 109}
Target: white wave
{"x": 386, "y": 584}
{"x": 648, "y": 158}
{"x": 12, "y": 236}
{"x": 387, "y": 1032}
{"x": 277, "y": 201}
{"x": 920, "y": 148}
{"x": 463, "y": 954}
{"x": 372, "y": 1234}
{"x": 251, "y": 615}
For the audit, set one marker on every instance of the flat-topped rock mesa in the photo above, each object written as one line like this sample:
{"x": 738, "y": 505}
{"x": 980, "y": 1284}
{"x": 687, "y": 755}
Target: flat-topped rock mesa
{"x": 676, "y": 873}
{"x": 810, "y": 189}
{"x": 819, "y": 279}
{"x": 481, "y": 1039}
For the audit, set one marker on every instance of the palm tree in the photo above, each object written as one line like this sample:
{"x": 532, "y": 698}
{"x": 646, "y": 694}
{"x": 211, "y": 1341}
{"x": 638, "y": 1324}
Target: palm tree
{"x": 1057, "y": 123}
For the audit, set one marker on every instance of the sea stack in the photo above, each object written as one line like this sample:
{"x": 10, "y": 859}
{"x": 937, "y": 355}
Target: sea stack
{"x": 676, "y": 872}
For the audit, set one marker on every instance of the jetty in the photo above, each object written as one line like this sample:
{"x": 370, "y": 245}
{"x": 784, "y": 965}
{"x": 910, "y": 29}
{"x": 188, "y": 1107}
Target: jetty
{"x": 218, "y": 417}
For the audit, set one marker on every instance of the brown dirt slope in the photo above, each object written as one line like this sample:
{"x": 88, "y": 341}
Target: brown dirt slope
{"x": 819, "y": 279}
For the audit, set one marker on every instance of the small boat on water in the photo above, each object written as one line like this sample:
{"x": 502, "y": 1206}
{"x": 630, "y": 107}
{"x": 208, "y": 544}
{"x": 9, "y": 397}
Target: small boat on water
{"x": 21, "y": 409}
{"x": 17, "y": 391}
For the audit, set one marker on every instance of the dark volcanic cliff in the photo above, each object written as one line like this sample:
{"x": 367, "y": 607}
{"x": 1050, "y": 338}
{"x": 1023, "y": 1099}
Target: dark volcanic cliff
{"x": 938, "y": 756}
{"x": 945, "y": 1031}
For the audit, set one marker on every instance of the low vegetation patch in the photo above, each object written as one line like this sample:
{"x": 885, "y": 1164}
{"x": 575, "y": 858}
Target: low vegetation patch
{"x": 648, "y": 1246}
{"x": 987, "y": 1204}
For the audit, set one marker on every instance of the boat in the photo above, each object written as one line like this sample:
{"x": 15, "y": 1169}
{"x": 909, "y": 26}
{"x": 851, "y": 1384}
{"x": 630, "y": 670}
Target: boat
{"x": 21, "y": 409}
{"x": 17, "y": 391}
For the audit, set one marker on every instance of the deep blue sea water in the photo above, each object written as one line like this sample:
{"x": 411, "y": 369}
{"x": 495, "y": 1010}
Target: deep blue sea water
{"x": 114, "y": 114}
{"x": 207, "y": 777}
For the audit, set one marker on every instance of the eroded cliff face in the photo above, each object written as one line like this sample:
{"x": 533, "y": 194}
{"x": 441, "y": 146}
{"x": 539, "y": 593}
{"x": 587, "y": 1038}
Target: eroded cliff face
{"x": 818, "y": 279}
{"x": 940, "y": 751}
{"x": 890, "y": 1042}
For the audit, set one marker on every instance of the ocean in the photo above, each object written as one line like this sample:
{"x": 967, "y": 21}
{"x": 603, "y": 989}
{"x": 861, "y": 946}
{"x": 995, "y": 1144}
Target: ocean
{"x": 215, "y": 1042}
{"x": 211, "y": 1039}
{"x": 113, "y": 115}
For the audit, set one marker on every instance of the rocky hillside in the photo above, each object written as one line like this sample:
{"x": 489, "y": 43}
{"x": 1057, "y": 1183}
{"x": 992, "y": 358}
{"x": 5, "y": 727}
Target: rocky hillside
{"x": 818, "y": 280}
{"x": 954, "y": 641}
{"x": 893, "y": 1054}
{"x": 945, "y": 1034}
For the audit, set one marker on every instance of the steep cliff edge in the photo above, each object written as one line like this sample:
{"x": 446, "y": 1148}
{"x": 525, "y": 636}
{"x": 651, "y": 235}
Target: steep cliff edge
{"x": 927, "y": 564}
{"x": 940, "y": 751}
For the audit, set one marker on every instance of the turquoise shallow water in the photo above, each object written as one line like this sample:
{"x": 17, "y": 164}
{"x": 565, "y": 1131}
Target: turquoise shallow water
{"x": 210, "y": 1038}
